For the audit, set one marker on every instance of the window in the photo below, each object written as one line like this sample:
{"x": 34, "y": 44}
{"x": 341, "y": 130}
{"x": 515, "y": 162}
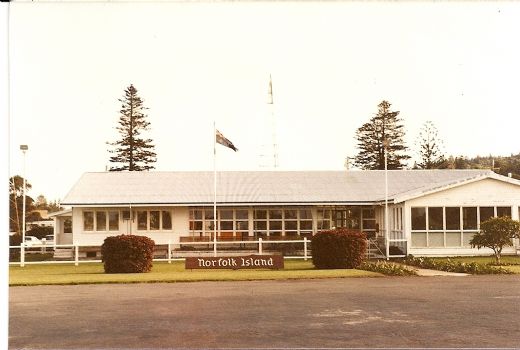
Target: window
{"x": 101, "y": 221}
{"x": 435, "y": 218}
{"x": 142, "y": 220}
{"x": 324, "y": 219}
{"x": 503, "y": 211}
{"x": 452, "y": 218}
{"x": 486, "y": 213}
{"x": 469, "y": 218}
{"x": 446, "y": 230}
{"x": 113, "y": 220}
{"x": 166, "y": 220}
{"x": 88, "y": 221}
{"x": 67, "y": 226}
{"x": 418, "y": 218}
{"x": 155, "y": 219}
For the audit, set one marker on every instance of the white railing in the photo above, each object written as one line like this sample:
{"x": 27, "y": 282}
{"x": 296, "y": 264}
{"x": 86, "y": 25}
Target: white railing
{"x": 171, "y": 253}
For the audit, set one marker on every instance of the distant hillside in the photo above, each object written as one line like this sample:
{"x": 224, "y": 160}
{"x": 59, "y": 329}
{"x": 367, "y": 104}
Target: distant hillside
{"x": 502, "y": 165}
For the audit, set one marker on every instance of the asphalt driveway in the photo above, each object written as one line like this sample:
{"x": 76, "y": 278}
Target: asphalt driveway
{"x": 474, "y": 311}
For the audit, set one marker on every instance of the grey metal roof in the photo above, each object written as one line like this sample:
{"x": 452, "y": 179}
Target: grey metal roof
{"x": 256, "y": 187}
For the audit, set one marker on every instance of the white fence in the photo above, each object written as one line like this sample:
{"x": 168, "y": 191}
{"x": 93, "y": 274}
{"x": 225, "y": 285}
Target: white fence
{"x": 172, "y": 251}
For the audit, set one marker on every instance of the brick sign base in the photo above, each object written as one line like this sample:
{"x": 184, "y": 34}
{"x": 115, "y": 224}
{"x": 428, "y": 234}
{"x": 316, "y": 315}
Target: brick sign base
{"x": 236, "y": 262}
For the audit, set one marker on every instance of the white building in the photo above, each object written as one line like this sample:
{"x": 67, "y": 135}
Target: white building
{"x": 431, "y": 212}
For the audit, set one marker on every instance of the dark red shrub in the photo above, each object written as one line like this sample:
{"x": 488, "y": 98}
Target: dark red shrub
{"x": 338, "y": 249}
{"x": 127, "y": 254}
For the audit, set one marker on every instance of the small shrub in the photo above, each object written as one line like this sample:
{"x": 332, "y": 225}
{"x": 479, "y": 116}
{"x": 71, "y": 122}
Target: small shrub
{"x": 455, "y": 266}
{"x": 387, "y": 268}
{"x": 127, "y": 254}
{"x": 338, "y": 249}
{"x": 496, "y": 233}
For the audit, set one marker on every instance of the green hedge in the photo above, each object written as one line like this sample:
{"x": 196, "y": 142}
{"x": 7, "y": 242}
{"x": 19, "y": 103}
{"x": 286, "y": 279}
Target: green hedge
{"x": 127, "y": 254}
{"x": 455, "y": 266}
{"x": 338, "y": 249}
{"x": 387, "y": 268}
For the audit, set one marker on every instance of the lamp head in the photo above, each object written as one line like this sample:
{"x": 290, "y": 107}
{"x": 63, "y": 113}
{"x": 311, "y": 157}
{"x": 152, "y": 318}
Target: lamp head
{"x": 24, "y": 147}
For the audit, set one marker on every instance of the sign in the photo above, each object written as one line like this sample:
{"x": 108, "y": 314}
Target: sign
{"x": 236, "y": 262}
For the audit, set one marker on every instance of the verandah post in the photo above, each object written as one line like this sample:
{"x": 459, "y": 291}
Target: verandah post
{"x": 76, "y": 255}
{"x": 169, "y": 251}
{"x": 305, "y": 248}
{"x": 260, "y": 245}
{"x": 22, "y": 254}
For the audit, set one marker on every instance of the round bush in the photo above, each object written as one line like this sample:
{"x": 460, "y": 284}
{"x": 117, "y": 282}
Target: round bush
{"x": 127, "y": 254}
{"x": 338, "y": 249}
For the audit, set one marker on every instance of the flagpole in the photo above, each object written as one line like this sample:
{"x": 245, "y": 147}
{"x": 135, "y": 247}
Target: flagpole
{"x": 214, "y": 189}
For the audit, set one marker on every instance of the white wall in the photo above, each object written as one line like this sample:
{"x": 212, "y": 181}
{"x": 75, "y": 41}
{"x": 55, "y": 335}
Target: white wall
{"x": 94, "y": 238}
{"x": 486, "y": 192}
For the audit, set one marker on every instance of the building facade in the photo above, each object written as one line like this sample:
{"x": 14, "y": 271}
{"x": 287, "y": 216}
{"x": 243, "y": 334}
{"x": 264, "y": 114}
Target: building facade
{"x": 430, "y": 212}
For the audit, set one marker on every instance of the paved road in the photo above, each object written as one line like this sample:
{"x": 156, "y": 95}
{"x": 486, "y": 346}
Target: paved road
{"x": 475, "y": 311}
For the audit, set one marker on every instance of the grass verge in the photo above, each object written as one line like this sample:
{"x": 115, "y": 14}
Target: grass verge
{"x": 92, "y": 273}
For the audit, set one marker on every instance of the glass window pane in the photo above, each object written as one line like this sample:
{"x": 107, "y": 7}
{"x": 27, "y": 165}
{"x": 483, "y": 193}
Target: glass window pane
{"x": 418, "y": 239}
{"x": 467, "y": 237}
{"x": 275, "y": 214}
{"x": 486, "y": 213}
{"x": 452, "y": 218}
{"x": 260, "y": 225}
{"x": 241, "y": 214}
{"x": 503, "y": 211}
{"x": 113, "y": 220}
{"x": 166, "y": 220}
{"x": 209, "y": 225}
{"x": 260, "y": 214}
{"x": 67, "y": 226}
{"x": 196, "y": 214}
{"x": 101, "y": 221}
{"x": 325, "y": 225}
{"x": 369, "y": 213}
{"x": 453, "y": 239}
{"x": 436, "y": 239}
{"x": 291, "y": 225}
{"x": 291, "y": 214}
{"x": 196, "y": 225}
{"x": 275, "y": 225}
{"x": 226, "y": 225}
{"x": 307, "y": 225}
{"x": 226, "y": 214}
{"x": 307, "y": 214}
{"x": 419, "y": 219}
{"x": 154, "y": 219}
{"x": 469, "y": 218}
{"x": 88, "y": 220}
{"x": 208, "y": 214}
{"x": 242, "y": 225}
{"x": 369, "y": 224}
{"x": 142, "y": 220}
{"x": 435, "y": 218}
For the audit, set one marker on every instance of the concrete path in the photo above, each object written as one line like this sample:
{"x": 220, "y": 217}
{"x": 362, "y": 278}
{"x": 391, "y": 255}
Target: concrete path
{"x": 429, "y": 273}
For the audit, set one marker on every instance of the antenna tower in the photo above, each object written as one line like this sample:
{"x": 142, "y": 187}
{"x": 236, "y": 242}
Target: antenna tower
{"x": 273, "y": 121}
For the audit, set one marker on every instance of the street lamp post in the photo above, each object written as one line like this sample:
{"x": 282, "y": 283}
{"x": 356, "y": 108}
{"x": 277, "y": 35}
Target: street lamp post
{"x": 23, "y": 148}
{"x": 387, "y": 224}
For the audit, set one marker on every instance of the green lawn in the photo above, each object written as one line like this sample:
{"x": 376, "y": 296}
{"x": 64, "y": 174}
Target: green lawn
{"x": 91, "y": 273}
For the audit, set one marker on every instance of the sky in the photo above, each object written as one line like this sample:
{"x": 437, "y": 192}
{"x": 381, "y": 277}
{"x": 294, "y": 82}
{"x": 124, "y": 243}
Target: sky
{"x": 331, "y": 63}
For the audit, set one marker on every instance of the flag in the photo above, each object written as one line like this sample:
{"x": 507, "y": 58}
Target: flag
{"x": 225, "y": 142}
